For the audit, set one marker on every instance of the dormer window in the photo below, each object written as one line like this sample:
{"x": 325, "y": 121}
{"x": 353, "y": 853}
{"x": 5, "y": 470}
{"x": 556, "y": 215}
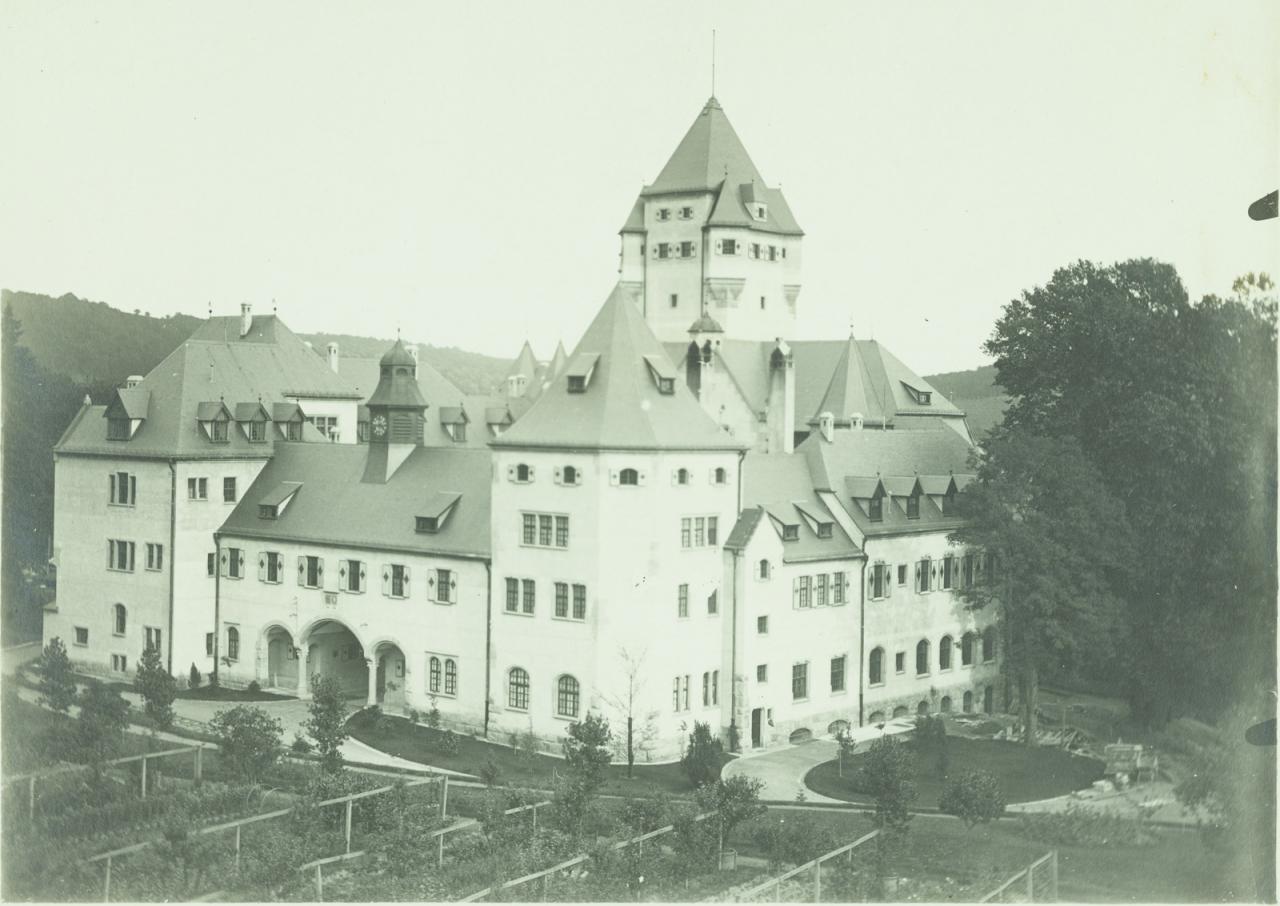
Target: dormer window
{"x": 273, "y": 505}
{"x": 580, "y": 370}
{"x": 921, "y": 397}
{"x": 267, "y": 511}
{"x": 913, "y": 505}
{"x": 426, "y": 524}
{"x": 218, "y": 431}
{"x": 875, "y": 509}
{"x": 824, "y": 529}
{"x": 293, "y": 431}
{"x": 435, "y": 512}
{"x": 760, "y": 211}
{"x": 686, "y": 213}
{"x": 666, "y": 386}
{"x": 118, "y": 429}
{"x": 257, "y": 432}
{"x": 791, "y": 532}
{"x": 577, "y": 383}
{"x": 663, "y": 375}
{"x": 949, "y": 499}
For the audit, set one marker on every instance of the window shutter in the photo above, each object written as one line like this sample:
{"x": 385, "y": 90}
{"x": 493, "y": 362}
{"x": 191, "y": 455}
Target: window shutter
{"x": 719, "y": 247}
{"x": 262, "y": 566}
{"x": 795, "y": 592}
{"x": 613, "y": 476}
{"x": 871, "y": 583}
{"x": 642, "y": 477}
{"x": 112, "y": 479}
{"x": 888, "y": 580}
{"x": 302, "y": 570}
{"x": 240, "y": 562}
{"x": 531, "y": 473}
{"x": 386, "y": 579}
{"x": 406, "y": 581}
{"x": 511, "y": 473}
{"x": 453, "y": 587}
{"x": 362, "y": 573}
{"x": 320, "y": 570}
{"x": 133, "y": 490}
{"x": 919, "y": 587}
{"x": 558, "y": 475}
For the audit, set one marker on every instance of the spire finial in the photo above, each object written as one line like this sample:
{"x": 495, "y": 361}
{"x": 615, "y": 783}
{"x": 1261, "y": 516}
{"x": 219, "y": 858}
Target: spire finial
{"x": 274, "y": 310}
{"x": 713, "y": 62}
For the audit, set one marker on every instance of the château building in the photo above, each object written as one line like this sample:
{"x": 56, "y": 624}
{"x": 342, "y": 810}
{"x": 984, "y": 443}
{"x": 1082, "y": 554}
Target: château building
{"x": 693, "y": 516}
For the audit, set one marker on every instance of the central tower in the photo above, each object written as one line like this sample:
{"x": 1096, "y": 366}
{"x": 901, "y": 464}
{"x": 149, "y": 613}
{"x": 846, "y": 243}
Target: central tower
{"x": 709, "y": 237}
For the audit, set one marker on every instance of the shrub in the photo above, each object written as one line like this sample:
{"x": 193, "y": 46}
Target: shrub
{"x": 157, "y": 687}
{"x": 101, "y": 724}
{"x": 734, "y": 801}
{"x": 701, "y": 760}
{"x": 327, "y": 723}
{"x": 974, "y": 797}
{"x": 57, "y": 685}
{"x": 931, "y": 734}
{"x": 886, "y": 778}
{"x": 490, "y": 773}
{"x": 194, "y": 677}
{"x": 254, "y": 687}
{"x": 793, "y": 841}
{"x": 249, "y": 740}
{"x": 301, "y": 745}
{"x": 449, "y": 742}
{"x": 1083, "y": 826}
{"x": 586, "y": 752}
{"x": 433, "y": 715}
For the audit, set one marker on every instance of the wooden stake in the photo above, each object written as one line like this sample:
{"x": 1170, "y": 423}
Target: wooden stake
{"x": 348, "y": 825}
{"x": 31, "y": 797}
{"x": 1031, "y": 886}
{"x": 444, "y": 797}
{"x": 144, "y": 776}
{"x": 440, "y": 853}
{"x": 106, "y": 885}
{"x": 319, "y": 886}
{"x": 817, "y": 882}
{"x": 237, "y": 849}
{"x": 1053, "y": 876}
{"x": 198, "y": 771}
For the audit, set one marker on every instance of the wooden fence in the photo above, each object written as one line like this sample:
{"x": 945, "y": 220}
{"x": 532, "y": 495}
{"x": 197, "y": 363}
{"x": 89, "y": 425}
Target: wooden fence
{"x": 546, "y": 873}
{"x": 1040, "y": 883}
{"x": 814, "y": 865}
{"x": 33, "y": 778}
{"x": 240, "y": 823}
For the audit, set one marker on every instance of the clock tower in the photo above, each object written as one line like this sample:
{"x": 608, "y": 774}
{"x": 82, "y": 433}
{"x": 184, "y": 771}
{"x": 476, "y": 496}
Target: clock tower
{"x": 395, "y": 414}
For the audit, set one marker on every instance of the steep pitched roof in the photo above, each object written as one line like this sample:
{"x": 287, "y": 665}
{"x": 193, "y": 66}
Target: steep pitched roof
{"x": 332, "y": 506}
{"x": 216, "y": 365}
{"x": 526, "y": 363}
{"x": 620, "y": 407}
{"x": 711, "y": 158}
{"x": 781, "y": 486}
{"x": 869, "y": 379}
{"x": 558, "y": 361}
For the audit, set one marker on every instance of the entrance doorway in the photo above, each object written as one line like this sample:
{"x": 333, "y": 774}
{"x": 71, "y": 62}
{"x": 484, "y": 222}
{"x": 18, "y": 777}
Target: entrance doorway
{"x": 390, "y": 678}
{"x": 334, "y": 652}
{"x": 282, "y": 661}
{"x": 757, "y": 720}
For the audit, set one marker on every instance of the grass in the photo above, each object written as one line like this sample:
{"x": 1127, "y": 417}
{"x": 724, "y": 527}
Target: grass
{"x": 1177, "y": 868}
{"x": 405, "y": 739}
{"x": 204, "y": 693}
{"x": 1025, "y": 775}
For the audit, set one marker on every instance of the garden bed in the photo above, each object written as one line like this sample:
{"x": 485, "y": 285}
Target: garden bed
{"x": 1025, "y": 775}
{"x": 400, "y": 737}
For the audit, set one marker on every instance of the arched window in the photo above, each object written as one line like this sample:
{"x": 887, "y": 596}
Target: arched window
{"x": 989, "y": 699}
{"x": 989, "y": 644}
{"x": 233, "y": 643}
{"x": 922, "y": 708}
{"x": 967, "y": 704}
{"x": 764, "y": 569}
{"x": 569, "y": 475}
{"x": 522, "y": 472}
{"x": 682, "y": 476}
{"x": 944, "y": 653}
{"x": 518, "y": 689}
{"x": 946, "y": 704}
{"x": 567, "y": 696}
{"x": 877, "y": 666}
{"x": 121, "y": 618}
{"x": 450, "y": 676}
{"x": 628, "y": 476}
{"x": 922, "y": 657}
{"x": 721, "y": 476}
{"x": 966, "y": 650}
{"x": 433, "y": 675}
{"x": 877, "y": 717}
{"x": 900, "y": 711}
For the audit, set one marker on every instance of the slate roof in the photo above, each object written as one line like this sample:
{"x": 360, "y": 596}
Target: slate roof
{"x": 781, "y": 487}
{"x": 849, "y": 465}
{"x": 215, "y": 365}
{"x": 712, "y": 159}
{"x": 621, "y": 408}
{"x": 333, "y": 506}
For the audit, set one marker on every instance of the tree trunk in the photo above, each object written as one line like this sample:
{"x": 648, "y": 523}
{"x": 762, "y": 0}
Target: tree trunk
{"x": 631, "y": 752}
{"x": 1030, "y": 691}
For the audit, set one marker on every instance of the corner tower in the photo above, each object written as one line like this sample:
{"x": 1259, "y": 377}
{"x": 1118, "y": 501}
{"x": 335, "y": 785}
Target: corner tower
{"x": 395, "y": 414}
{"x": 710, "y": 237}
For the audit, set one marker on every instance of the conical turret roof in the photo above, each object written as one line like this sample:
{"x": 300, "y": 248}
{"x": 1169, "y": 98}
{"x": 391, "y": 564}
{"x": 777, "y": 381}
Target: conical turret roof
{"x": 619, "y": 365}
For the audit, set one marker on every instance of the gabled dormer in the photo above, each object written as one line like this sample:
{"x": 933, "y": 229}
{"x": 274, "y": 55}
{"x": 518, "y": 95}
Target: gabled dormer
{"x": 434, "y": 513}
{"x": 582, "y": 367}
{"x": 941, "y": 490}
{"x": 288, "y": 419}
{"x": 273, "y": 504}
{"x": 818, "y": 520}
{"x": 454, "y": 421}
{"x": 126, "y": 412}
{"x": 868, "y": 494}
{"x": 786, "y": 521}
{"x": 252, "y": 419}
{"x": 214, "y": 419}
{"x": 906, "y": 494}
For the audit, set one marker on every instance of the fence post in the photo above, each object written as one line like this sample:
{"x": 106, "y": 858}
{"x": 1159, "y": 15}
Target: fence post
{"x": 198, "y": 772}
{"x": 319, "y": 885}
{"x": 817, "y": 882}
{"x": 440, "y": 852}
{"x": 106, "y": 884}
{"x": 31, "y": 798}
{"x": 777, "y": 890}
{"x": 535, "y": 820}
{"x": 641, "y": 842}
{"x": 545, "y": 881}
{"x": 144, "y": 776}
{"x": 1053, "y": 876}
{"x": 1031, "y": 883}
{"x": 348, "y": 825}
{"x": 237, "y": 849}
{"x": 444, "y": 798}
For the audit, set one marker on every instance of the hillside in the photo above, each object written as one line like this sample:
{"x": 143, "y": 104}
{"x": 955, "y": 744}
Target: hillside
{"x": 976, "y": 392}
{"x": 471, "y": 372}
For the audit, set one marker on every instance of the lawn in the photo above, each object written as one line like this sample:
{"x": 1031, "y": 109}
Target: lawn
{"x": 204, "y": 693}
{"x": 400, "y": 737}
{"x": 1025, "y": 774}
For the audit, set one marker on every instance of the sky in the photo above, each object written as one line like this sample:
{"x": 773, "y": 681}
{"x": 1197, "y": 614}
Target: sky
{"x": 459, "y": 172}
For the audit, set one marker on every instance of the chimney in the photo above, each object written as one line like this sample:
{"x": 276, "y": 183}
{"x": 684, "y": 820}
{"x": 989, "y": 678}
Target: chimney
{"x": 246, "y": 318}
{"x": 132, "y": 380}
{"x": 855, "y": 421}
{"x": 332, "y": 349}
{"x": 827, "y": 425}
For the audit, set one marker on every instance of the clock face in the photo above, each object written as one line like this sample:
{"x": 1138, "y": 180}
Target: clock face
{"x": 379, "y": 425}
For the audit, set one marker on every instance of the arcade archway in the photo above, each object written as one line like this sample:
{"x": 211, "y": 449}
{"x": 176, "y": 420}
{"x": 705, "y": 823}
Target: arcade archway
{"x": 334, "y": 652}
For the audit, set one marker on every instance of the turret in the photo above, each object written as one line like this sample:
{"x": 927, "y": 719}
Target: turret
{"x": 395, "y": 414}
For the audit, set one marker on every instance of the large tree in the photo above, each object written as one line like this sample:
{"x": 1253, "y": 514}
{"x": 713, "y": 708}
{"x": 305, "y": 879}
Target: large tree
{"x": 1053, "y": 536}
{"x": 1174, "y": 404}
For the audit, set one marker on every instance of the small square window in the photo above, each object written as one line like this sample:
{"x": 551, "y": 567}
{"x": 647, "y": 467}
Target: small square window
{"x": 119, "y": 663}
{"x": 82, "y": 635}
{"x": 902, "y": 574}
{"x": 762, "y": 673}
{"x": 762, "y": 625}
{"x": 675, "y": 300}
{"x": 900, "y": 662}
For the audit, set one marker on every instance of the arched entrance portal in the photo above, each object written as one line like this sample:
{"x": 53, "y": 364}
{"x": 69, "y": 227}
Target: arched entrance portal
{"x": 334, "y": 652}
{"x": 391, "y": 676}
{"x": 282, "y": 661}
